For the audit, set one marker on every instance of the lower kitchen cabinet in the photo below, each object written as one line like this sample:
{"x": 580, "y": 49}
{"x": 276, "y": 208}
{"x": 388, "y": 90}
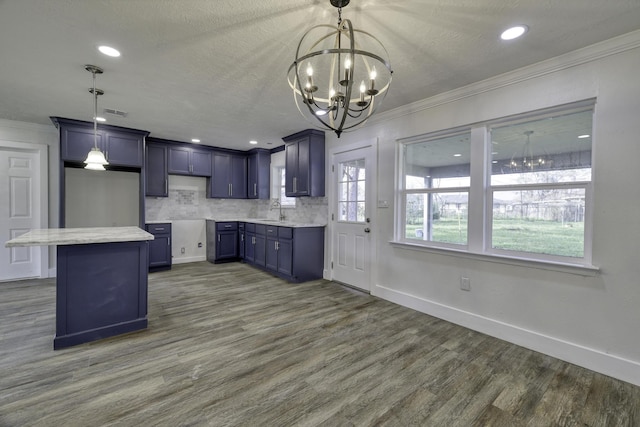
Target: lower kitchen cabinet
{"x": 222, "y": 241}
{"x": 241, "y": 240}
{"x": 160, "y": 246}
{"x": 294, "y": 254}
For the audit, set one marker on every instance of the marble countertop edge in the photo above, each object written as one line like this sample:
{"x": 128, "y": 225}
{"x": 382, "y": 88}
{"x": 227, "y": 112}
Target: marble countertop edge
{"x": 79, "y": 236}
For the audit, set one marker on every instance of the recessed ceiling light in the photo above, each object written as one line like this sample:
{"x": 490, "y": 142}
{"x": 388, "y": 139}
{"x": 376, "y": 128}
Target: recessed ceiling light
{"x": 494, "y": 161}
{"x": 514, "y": 32}
{"x": 457, "y": 155}
{"x": 253, "y": 142}
{"x": 583, "y": 136}
{"x": 109, "y": 51}
{"x": 195, "y": 140}
{"x": 100, "y": 119}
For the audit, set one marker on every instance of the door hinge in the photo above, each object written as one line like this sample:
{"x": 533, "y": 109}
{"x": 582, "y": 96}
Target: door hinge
{"x": 332, "y": 219}
{"x": 332, "y": 265}
{"x": 333, "y": 168}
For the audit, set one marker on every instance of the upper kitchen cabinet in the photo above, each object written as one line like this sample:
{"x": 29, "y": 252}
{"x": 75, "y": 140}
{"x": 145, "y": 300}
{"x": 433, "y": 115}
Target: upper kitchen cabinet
{"x": 258, "y": 175}
{"x": 121, "y": 146}
{"x": 304, "y": 164}
{"x": 189, "y": 161}
{"x": 157, "y": 179}
{"x": 229, "y": 176}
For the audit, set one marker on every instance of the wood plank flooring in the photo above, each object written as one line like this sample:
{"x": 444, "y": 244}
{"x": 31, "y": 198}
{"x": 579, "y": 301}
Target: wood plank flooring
{"x": 229, "y": 345}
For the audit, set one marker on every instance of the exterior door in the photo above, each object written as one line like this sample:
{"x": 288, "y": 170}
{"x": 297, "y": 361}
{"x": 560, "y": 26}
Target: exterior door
{"x": 19, "y": 212}
{"x": 353, "y": 175}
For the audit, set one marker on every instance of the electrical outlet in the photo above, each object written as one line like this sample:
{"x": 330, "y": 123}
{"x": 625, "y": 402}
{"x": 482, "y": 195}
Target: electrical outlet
{"x": 182, "y": 250}
{"x": 465, "y": 284}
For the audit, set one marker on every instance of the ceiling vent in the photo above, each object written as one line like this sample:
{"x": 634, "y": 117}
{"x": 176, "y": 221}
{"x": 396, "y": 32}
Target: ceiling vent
{"x": 115, "y": 112}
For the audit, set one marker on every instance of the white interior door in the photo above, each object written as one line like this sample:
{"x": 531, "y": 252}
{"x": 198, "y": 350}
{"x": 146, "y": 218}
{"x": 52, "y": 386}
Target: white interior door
{"x": 353, "y": 175}
{"x": 19, "y": 212}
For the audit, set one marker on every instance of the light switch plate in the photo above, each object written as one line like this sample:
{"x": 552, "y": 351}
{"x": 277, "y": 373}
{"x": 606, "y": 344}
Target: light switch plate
{"x": 383, "y": 203}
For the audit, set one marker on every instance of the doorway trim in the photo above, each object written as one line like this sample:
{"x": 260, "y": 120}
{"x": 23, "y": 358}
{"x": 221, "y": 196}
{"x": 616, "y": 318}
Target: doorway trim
{"x": 373, "y": 143}
{"x": 41, "y": 151}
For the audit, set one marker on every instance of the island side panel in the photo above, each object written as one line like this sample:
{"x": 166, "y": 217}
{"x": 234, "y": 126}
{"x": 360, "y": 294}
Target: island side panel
{"x": 101, "y": 291}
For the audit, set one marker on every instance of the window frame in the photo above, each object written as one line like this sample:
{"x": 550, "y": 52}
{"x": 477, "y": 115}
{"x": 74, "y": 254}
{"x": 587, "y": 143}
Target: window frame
{"x": 481, "y": 193}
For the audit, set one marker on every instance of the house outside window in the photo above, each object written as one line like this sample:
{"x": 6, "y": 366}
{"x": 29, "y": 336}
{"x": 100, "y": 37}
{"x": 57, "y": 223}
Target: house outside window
{"x": 526, "y": 181}
{"x": 289, "y": 202}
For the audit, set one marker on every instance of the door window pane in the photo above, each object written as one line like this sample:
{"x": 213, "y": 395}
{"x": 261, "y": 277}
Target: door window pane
{"x": 352, "y": 191}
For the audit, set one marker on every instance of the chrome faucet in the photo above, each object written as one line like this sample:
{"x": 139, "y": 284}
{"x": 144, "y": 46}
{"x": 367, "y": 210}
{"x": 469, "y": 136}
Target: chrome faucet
{"x": 276, "y": 204}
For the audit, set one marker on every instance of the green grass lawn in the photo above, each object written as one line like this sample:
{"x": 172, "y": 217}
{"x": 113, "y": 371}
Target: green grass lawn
{"x": 537, "y": 236}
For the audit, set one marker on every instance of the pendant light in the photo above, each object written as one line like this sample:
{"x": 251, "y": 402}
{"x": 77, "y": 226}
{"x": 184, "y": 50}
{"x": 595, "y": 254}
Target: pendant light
{"x": 340, "y": 74}
{"x": 95, "y": 158}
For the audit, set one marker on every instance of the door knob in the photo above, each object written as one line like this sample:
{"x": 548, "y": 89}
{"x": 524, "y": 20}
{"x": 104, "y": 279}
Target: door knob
{"x": 367, "y": 230}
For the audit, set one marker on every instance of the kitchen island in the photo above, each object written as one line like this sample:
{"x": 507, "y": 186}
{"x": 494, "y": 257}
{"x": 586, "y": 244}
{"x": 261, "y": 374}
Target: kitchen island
{"x": 101, "y": 283}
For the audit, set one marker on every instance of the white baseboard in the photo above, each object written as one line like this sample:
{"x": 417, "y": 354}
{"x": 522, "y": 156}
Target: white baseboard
{"x": 595, "y": 360}
{"x": 185, "y": 260}
{"x": 52, "y": 272}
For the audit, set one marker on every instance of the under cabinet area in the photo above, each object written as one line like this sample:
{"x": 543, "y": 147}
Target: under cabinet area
{"x": 160, "y": 246}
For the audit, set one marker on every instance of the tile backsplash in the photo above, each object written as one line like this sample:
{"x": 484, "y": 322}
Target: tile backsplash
{"x": 187, "y": 200}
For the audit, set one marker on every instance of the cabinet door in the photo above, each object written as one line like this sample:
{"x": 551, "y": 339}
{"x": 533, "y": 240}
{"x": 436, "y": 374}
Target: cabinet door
{"x": 219, "y": 185}
{"x": 250, "y": 247}
{"x": 238, "y": 177}
{"x": 271, "y": 255}
{"x": 258, "y": 175}
{"x": 156, "y": 171}
{"x": 241, "y": 244}
{"x": 201, "y": 163}
{"x": 291, "y": 168}
{"x": 285, "y": 256}
{"x": 160, "y": 251}
{"x": 301, "y": 185}
{"x": 260, "y": 250}
{"x": 179, "y": 160}
{"x": 123, "y": 150}
{"x": 75, "y": 143}
{"x": 227, "y": 245}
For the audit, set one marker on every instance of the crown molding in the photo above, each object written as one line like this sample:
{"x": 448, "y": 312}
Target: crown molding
{"x": 575, "y": 58}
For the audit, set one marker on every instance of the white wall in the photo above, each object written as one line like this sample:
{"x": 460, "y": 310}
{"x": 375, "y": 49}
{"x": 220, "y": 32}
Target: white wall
{"x": 588, "y": 320}
{"x": 24, "y": 134}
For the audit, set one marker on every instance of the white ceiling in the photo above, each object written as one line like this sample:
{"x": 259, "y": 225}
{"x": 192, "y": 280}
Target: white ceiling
{"x": 216, "y": 69}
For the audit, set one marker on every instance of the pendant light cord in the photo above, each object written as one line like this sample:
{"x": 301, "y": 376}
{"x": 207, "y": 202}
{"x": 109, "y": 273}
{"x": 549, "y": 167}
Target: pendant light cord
{"x": 95, "y": 112}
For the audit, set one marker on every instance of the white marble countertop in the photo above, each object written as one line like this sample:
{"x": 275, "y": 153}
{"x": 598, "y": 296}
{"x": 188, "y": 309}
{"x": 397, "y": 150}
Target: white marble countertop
{"x": 79, "y": 236}
{"x": 266, "y": 221}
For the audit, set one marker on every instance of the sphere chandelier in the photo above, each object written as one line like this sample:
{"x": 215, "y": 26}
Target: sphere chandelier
{"x": 329, "y": 62}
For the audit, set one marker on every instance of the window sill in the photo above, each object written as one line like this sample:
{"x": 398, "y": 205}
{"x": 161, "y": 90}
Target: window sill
{"x": 578, "y": 269}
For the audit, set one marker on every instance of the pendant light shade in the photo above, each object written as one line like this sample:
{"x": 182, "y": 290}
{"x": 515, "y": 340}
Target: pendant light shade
{"x": 95, "y": 158}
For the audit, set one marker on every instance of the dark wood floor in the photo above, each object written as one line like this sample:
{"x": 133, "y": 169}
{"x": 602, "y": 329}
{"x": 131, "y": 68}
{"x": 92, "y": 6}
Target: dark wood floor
{"x": 229, "y": 345}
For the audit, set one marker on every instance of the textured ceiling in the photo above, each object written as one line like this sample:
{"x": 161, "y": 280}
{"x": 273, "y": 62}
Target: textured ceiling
{"x": 216, "y": 69}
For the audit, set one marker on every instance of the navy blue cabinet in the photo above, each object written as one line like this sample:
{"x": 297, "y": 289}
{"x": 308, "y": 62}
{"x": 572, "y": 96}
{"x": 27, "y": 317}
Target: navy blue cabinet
{"x": 294, "y": 254}
{"x": 160, "y": 246}
{"x": 185, "y": 160}
{"x": 228, "y": 176}
{"x": 304, "y": 164}
{"x": 241, "y": 240}
{"x": 156, "y": 175}
{"x": 121, "y": 146}
{"x": 222, "y": 241}
{"x": 258, "y": 174}
{"x": 250, "y": 243}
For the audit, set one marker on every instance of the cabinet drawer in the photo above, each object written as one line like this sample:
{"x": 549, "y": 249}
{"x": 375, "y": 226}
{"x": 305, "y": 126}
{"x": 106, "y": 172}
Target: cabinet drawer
{"x": 159, "y": 228}
{"x": 226, "y": 226}
{"x": 241, "y": 226}
{"x": 285, "y": 232}
{"x": 261, "y": 229}
{"x": 250, "y": 227}
{"x": 272, "y": 230}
